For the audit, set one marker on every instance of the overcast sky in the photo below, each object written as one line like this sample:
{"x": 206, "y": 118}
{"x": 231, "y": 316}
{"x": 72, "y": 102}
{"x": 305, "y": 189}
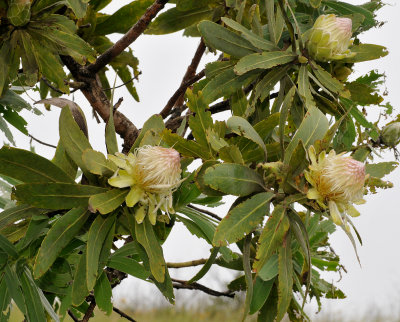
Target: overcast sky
{"x": 163, "y": 60}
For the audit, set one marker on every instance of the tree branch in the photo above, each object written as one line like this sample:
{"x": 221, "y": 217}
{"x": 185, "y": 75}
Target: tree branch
{"x": 73, "y": 317}
{"x": 124, "y": 315}
{"x": 181, "y": 90}
{"x": 195, "y": 262}
{"x": 41, "y": 142}
{"x": 89, "y": 311}
{"x": 128, "y": 38}
{"x": 179, "y": 284}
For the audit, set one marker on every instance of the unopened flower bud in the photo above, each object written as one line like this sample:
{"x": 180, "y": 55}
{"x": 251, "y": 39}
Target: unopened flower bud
{"x": 19, "y": 12}
{"x": 153, "y": 173}
{"x": 390, "y": 134}
{"x": 337, "y": 182}
{"x": 330, "y": 38}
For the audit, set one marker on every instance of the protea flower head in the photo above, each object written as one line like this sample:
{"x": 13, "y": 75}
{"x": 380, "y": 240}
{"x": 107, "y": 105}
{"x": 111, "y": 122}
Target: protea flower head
{"x": 390, "y": 134}
{"x": 330, "y": 38}
{"x": 337, "y": 182}
{"x": 153, "y": 173}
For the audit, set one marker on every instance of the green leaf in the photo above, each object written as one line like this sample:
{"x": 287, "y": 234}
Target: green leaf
{"x": 203, "y": 227}
{"x": 185, "y": 5}
{"x": 64, "y": 162}
{"x": 365, "y": 52}
{"x": 312, "y": 128}
{"x": 123, "y": 19}
{"x": 242, "y": 127}
{"x": 14, "y": 288}
{"x": 34, "y": 306}
{"x": 97, "y": 163}
{"x": 206, "y": 267}
{"x": 146, "y": 237}
{"x": 55, "y": 195}
{"x": 379, "y": 170}
{"x": 267, "y": 84}
{"x": 62, "y": 232}
{"x": 79, "y": 7}
{"x": 247, "y": 274}
{"x": 242, "y": 219}
{"x": 8, "y": 247}
{"x": 111, "y": 136}
{"x": 253, "y": 38}
{"x": 270, "y": 268}
{"x": 304, "y": 87}
{"x": 233, "y": 179}
{"x": 225, "y": 40}
{"x": 5, "y": 301}
{"x": 29, "y": 167}
{"x": 103, "y": 294}
{"x": 315, "y": 3}
{"x": 348, "y": 9}
{"x": 202, "y": 120}
{"x": 154, "y": 123}
{"x": 199, "y": 180}
{"x": 263, "y": 60}
{"x": 261, "y": 292}
{"x": 185, "y": 147}
{"x": 73, "y": 139}
{"x": 174, "y": 20}
{"x": 128, "y": 266}
{"x": 79, "y": 286}
{"x": 108, "y": 201}
{"x": 98, "y": 233}
{"x": 238, "y": 102}
{"x": 271, "y": 236}
{"x": 330, "y": 82}
{"x": 285, "y": 277}
{"x": 227, "y": 83}
{"x": 286, "y": 105}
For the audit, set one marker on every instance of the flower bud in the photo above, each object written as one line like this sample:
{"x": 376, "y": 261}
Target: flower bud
{"x": 390, "y": 134}
{"x": 19, "y": 12}
{"x": 330, "y": 38}
{"x": 337, "y": 182}
{"x": 153, "y": 173}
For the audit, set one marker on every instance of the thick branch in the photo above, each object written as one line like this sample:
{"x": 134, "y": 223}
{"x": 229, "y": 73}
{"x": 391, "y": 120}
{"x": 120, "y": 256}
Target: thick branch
{"x": 195, "y": 262}
{"x": 89, "y": 311}
{"x": 165, "y": 111}
{"x": 128, "y": 38}
{"x": 179, "y": 284}
{"x": 73, "y": 317}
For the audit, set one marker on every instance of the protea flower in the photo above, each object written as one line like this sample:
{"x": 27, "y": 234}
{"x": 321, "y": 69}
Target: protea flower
{"x": 337, "y": 182}
{"x": 153, "y": 173}
{"x": 330, "y": 38}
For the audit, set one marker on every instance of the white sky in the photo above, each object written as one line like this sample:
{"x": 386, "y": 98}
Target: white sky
{"x": 163, "y": 60}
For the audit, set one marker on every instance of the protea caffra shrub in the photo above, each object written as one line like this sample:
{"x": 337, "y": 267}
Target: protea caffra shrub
{"x": 337, "y": 182}
{"x": 153, "y": 173}
{"x": 330, "y": 38}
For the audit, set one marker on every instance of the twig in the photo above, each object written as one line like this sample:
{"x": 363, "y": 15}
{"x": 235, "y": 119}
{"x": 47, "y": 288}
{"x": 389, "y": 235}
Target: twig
{"x": 204, "y": 211}
{"x": 118, "y": 104}
{"x": 195, "y": 262}
{"x": 124, "y": 315}
{"x": 191, "y": 70}
{"x": 41, "y": 142}
{"x": 73, "y": 317}
{"x": 44, "y": 79}
{"x": 179, "y": 284}
{"x": 128, "y": 38}
{"x": 123, "y": 84}
{"x": 89, "y": 311}
{"x": 181, "y": 90}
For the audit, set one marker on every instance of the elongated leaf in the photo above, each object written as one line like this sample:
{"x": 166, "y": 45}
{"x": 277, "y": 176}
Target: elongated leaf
{"x": 5, "y": 301}
{"x": 248, "y": 275}
{"x": 261, "y": 292}
{"x": 285, "y": 277}
{"x": 330, "y": 82}
{"x": 242, "y": 127}
{"x": 264, "y": 60}
{"x": 8, "y": 247}
{"x": 312, "y": 128}
{"x": 206, "y": 267}
{"x": 55, "y": 195}
{"x": 14, "y": 288}
{"x": 62, "y": 232}
{"x": 73, "y": 139}
{"x": 34, "y": 306}
{"x": 233, "y": 179}
{"x": 205, "y": 227}
{"x": 225, "y": 40}
{"x": 97, "y": 163}
{"x": 173, "y": 20}
{"x": 79, "y": 7}
{"x": 123, "y": 19}
{"x": 107, "y": 201}
{"x": 242, "y": 219}
{"x": 227, "y": 83}
{"x": 365, "y": 52}
{"x": 271, "y": 237}
{"x": 154, "y": 123}
{"x": 253, "y": 38}
{"x": 270, "y": 269}
{"x": 79, "y": 287}
{"x": 103, "y": 294}
{"x": 286, "y": 105}
{"x": 98, "y": 233}
{"x": 28, "y": 167}
{"x": 267, "y": 84}
{"x": 348, "y": 9}
{"x": 128, "y": 266}
{"x": 304, "y": 87}
{"x": 111, "y": 136}
{"x": 64, "y": 162}
{"x": 146, "y": 237}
